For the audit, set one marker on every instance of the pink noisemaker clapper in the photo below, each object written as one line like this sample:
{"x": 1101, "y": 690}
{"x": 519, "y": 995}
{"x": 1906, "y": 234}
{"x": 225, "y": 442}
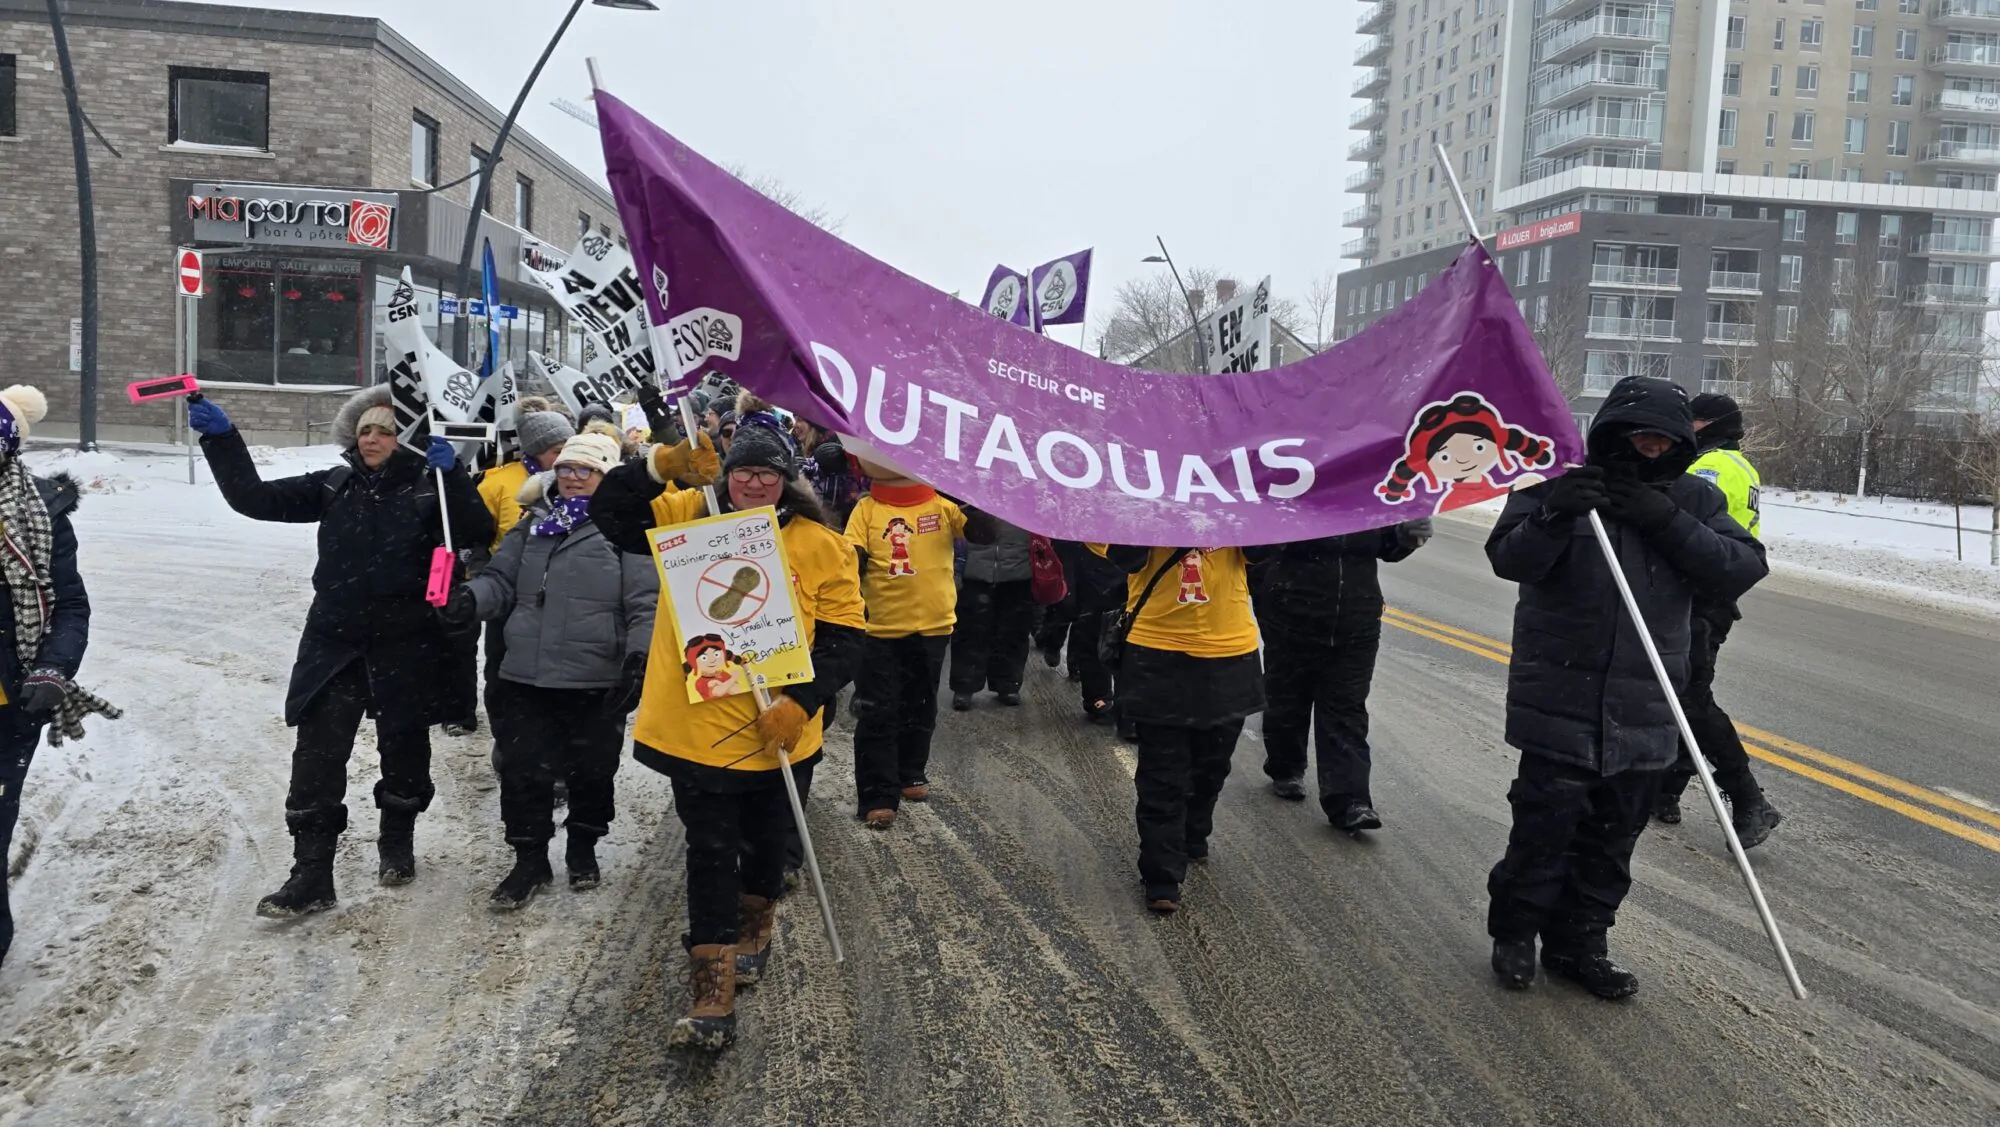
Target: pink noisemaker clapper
{"x": 169, "y": 387}
{"x": 443, "y": 561}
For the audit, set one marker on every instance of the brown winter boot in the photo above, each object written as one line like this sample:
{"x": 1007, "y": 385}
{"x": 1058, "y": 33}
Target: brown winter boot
{"x": 753, "y": 938}
{"x": 710, "y": 1023}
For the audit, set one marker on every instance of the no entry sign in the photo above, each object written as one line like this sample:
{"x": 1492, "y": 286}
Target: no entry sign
{"x": 187, "y": 273}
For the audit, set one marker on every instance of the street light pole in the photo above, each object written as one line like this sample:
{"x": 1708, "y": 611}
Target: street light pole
{"x": 86, "y": 222}
{"x": 483, "y": 190}
{"x": 1194, "y": 318}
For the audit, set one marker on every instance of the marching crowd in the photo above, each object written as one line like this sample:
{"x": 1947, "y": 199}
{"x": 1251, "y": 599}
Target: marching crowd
{"x": 1172, "y": 647}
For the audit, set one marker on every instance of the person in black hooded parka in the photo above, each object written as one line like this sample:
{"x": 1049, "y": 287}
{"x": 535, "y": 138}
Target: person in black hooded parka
{"x": 372, "y": 644}
{"x": 1594, "y": 729}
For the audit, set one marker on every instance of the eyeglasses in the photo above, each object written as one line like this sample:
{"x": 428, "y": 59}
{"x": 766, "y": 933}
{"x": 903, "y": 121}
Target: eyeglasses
{"x": 755, "y": 476}
{"x": 573, "y": 471}
{"x": 729, "y": 432}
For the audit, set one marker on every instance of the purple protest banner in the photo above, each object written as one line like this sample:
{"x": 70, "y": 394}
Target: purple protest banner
{"x": 1441, "y": 404}
{"x": 1061, "y": 288}
{"x": 1006, "y": 295}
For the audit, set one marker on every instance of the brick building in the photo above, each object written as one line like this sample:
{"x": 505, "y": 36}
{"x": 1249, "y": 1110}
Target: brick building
{"x": 311, "y": 157}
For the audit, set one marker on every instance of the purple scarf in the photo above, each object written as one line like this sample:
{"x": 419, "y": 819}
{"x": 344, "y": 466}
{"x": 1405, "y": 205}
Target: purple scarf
{"x": 563, "y": 518}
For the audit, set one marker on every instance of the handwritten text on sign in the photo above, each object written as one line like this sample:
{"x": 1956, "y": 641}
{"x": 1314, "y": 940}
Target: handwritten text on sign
{"x": 730, "y": 588}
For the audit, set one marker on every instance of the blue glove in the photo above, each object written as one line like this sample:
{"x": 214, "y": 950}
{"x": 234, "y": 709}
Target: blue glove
{"x": 205, "y": 417}
{"x": 440, "y": 455}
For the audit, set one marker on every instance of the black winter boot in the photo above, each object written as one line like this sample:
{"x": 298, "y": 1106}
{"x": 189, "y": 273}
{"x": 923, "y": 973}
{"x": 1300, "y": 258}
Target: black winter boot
{"x": 396, "y": 848}
{"x": 1594, "y": 972}
{"x": 531, "y": 871}
{"x": 580, "y": 857}
{"x": 1753, "y": 818}
{"x": 1514, "y": 962}
{"x": 310, "y": 888}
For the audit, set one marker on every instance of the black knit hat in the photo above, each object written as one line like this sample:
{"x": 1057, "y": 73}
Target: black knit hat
{"x": 760, "y": 447}
{"x": 1713, "y": 405}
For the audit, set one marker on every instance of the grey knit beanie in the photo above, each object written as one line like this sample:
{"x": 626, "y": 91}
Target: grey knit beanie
{"x": 541, "y": 430}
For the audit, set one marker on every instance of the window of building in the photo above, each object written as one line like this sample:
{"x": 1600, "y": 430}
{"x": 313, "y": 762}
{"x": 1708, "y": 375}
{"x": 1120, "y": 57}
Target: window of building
{"x": 1732, "y": 79}
{"x": 1786, "y": 322}
{"x": 1811, "y": 34}
{"x": 1777, "y": 80}
{"x": 1802, "y": 129}
{"x": 1770, "y": 131}
{"x": 1895, "y": 176}
{"x": 1889, "y": 232}
{"x": 1888, "y": 272}
{"x": 423, "y": 150}
{"x": 287, "y": 320}
{"x": 1910, "y": 7}
{"x": 1541, "y": 310}
{"x": 524, "y": 203}
{"x": 1521, "y": 264}
{"x": 1906, "y": 42}
{"x": 1603, "y": 369}
{"x": 226, "y": 108}
{"x": 582, "y": 224}
{"x": 1791, "y": 271}
{"x": 1726, "y": 134}
{"x": 1807, "y": 84}
{"x": 1903, "y": 90}
{"x": 1454, "y": 58}
{"x": 7, "y": 114}
{"x": 1857, "y": 86}
{"x": 1795, "y": 225}
{"x": 1843, "y": 275}
{"x": 1899, "y": 139}
{"x": 1864, "y": 40}
{"x": 1839, "y": 322}
{"x": 1778, "y": 35}
{"x": 1857, "y": 136}
{"x": 1847, "y": 227}
{"x": 1784, "y": 384}
{"x": 1799, "y": 170}
{"x": 1864, "y": 5}
{"x": 1718, "y": 374}
{"x": 1737, "y": 27}
{"x": 1725, "y": 168}
{"x": 1548, "y": 264}
{"x": 1852, "y": 173}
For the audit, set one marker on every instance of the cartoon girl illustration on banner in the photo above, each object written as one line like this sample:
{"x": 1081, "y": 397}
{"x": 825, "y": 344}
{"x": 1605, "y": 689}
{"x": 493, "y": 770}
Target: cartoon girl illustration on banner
{"x": 1463, "y": 452}
{"x": 1193, "y": 589}
{"x": 898, "y": 535}
{"x": 713, "y": 672}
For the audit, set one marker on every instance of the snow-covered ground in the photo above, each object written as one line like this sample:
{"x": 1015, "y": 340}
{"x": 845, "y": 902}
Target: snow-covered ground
{"x": 141, "y": 987}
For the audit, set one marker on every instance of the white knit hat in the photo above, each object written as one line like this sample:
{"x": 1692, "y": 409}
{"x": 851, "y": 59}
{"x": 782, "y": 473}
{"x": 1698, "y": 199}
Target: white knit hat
{"x": 24, "y": 406}
{"x": 381, "y": 415}
{"x": 598, "y": 451}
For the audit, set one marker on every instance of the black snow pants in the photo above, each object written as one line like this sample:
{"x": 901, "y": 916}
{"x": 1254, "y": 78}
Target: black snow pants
{"x": 18, "y": 740}
{"x": 461, "y": 672}
{"x": 1180, "y": 776}
{"x": 1321, "y": 687}
{"x": 895, "y": 712}
{"x": 1569, "y": 856}
{"x": 550, "y": 734}
{"x": 1712, "y": 726}
{"x": 317, "y": 801}
{"x": 735, "y": 845}
{"x": 1096, "y": 677}
{"x": 989, "y": 646}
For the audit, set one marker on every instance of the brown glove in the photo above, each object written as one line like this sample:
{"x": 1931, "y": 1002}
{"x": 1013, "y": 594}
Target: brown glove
{"x": 693, "y": 465}
{"x": 783, "y": 723}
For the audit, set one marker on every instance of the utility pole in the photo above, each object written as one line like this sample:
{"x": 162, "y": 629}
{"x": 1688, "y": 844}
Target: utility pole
{"x": 86, "y": 223}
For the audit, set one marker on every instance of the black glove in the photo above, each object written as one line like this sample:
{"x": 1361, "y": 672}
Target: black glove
{"x": 623, "y": 697}
{"x": 43, "y": 692}
{"x": 1576, "y": 492}
{"x": 1640, "y": 507}
{"x": 461, "y": 608}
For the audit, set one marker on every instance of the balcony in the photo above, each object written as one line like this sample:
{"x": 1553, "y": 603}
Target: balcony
{"x": 1630, "y": 328}
{"x": 1972, "y": 296}
{"x": 1377, "y": 18}
{"x": 1636, "y": 277}
{"x": 1580, "y": 37}
{"x": 1950, "y": 245}
{"x": 1558, "y": 9}
{"x": 1735, "y": 281}
{"x": 1957, "y": 344}
{"x": 1363, "y": 247}
{"x": 1729, "y": 332}
{"x": 1365, "y": 180}
{"x": 1966, "y": 56}
{"x": 1369, "y": 116}
{"x": 1374, "y": 82}
{"x": 1367, "y": 215}
{"x": 1369, "y": 147}
{"x": 1373, "y": 52}
{"x": 1569, "y": 85}
{"x": 1973, "y": 15}
{"x": 1579, "y": 132}
{"x": 1977, "y": 154}
{"x": 1963, "y": 102}
{"x": 1735, "y": 388}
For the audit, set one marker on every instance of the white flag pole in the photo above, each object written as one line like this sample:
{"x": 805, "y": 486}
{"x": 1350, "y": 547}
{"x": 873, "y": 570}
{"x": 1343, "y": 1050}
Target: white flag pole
{"x": 1701, "y": 764}
{"x": 663, "y": 356}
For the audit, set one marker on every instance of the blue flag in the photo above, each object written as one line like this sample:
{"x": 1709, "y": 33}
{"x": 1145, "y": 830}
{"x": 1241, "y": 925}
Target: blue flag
{"x": 489, "y": 282}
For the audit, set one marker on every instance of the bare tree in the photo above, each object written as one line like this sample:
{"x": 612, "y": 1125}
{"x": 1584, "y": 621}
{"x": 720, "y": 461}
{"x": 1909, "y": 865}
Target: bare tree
{"x": 1560, "y": 326}
{"x": 1149, "y": 313}
{"x": 789, "y": 198}
{"x": 1322, "y": 305}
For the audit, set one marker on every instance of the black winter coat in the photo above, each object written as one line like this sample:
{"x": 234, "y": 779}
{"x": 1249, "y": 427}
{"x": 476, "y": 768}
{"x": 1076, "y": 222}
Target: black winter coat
{"x": 1321, "y": 590}
{"x": 377, "y": 532}
{"x": 1580, "y": 689}
{"x": 69, "y": 618}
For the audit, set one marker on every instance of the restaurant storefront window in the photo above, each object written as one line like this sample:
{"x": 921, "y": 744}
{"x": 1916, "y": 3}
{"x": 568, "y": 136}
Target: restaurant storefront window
{"x": 279, "y": 321}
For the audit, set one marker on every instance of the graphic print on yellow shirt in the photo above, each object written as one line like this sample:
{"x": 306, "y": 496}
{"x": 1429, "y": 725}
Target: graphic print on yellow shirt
{"x": 1200, "y": 608}
{"x": 1192, "y": 588}
{"x": 907, "y": 533}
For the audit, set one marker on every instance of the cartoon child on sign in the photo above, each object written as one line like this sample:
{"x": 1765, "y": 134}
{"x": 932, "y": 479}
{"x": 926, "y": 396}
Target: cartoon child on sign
{"x": 1456, "y": 449}
{"x": 713, "y": 672}
{"x": 1193, "y": 589}
{"x": 898, "y": 535}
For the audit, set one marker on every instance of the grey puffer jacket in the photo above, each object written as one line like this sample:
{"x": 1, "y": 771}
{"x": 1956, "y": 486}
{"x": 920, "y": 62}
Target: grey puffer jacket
{"x": 1006, "y": 560}
{"x": 575, "y": 606}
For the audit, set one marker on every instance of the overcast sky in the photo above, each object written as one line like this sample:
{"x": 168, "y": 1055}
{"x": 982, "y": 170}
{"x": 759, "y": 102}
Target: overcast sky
{"x": 950, "y": 135}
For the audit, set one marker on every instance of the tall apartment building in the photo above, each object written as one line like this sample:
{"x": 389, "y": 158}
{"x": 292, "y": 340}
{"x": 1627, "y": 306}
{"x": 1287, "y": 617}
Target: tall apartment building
{"x": 1865, "y": 133}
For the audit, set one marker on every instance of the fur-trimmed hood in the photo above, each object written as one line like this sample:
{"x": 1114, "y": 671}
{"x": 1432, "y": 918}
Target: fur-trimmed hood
{"x": 348, "y": 419}
{"x": 60, "y": 493}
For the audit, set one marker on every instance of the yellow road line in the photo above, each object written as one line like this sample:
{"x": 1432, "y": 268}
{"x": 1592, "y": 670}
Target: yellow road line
{"x": 1495, "y": 650}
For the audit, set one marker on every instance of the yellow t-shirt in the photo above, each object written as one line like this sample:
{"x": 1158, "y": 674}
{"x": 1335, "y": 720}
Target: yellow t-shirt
{"x": 500, "y": 488}
{"x": 825, "y": 589}
{"x": 908, "y": 534}
{"x": 1200, "y": 607}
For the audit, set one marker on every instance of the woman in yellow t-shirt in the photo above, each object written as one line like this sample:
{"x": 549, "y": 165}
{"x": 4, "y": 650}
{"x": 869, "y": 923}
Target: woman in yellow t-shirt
{"x": 1189, "y": 679}
{"x": 727, "y": 790}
